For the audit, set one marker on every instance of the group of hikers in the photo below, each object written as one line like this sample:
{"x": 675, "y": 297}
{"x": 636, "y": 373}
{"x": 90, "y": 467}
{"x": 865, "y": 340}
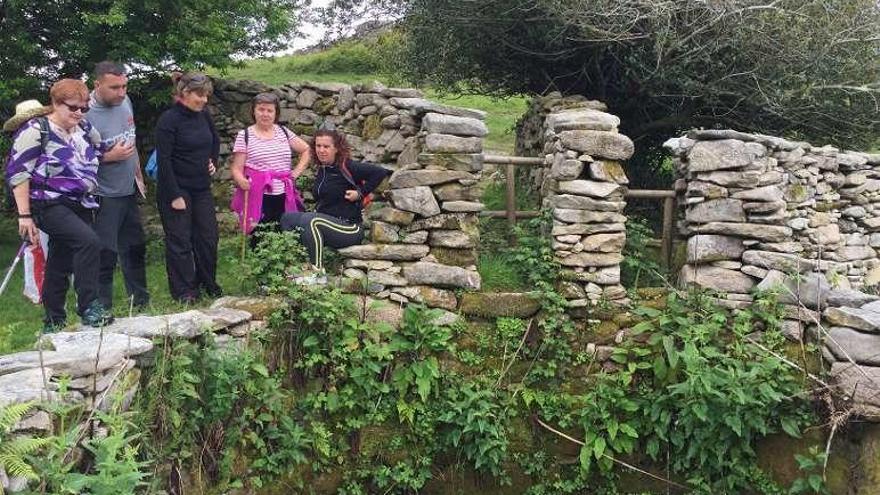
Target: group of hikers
{"x": 76, "y": 176}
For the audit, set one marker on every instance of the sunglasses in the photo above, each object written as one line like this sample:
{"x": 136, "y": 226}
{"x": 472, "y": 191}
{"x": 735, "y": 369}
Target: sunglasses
{"x": 74, "y": 108}
{"x": 266, "y": 98}
{"x": 196, "y": 78}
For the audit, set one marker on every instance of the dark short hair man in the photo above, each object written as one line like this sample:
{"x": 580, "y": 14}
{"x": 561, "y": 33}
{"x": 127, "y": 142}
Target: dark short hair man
{"x": 120, "y": 180}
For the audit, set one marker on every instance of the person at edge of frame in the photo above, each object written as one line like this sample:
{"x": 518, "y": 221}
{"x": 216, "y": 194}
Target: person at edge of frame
{"x": 52, "y": 169}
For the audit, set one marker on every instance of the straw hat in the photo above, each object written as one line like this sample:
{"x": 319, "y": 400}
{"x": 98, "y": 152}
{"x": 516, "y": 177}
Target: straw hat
{"x": 25, "y": 111}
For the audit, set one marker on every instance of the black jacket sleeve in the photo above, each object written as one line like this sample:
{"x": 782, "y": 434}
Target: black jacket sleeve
{"x": 165, "y": 137}
{"x": 368, "y": 174}
{"x": 215, "y": 145}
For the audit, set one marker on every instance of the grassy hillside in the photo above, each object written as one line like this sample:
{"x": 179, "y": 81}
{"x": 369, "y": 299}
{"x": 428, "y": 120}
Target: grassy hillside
{"x": 363, "y": 61}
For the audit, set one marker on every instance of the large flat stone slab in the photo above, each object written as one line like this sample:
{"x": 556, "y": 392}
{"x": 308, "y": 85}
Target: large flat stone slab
{"x": 390, "y": 252}
{"x": 424, "y": 273}
{"x": 185, "y": 325}
{"x": 717, "y": 278}
{"x": 707, "y": 156}
{"x": 452, "y": 124}
{"x": 767, "y": 233}
{"x": 858, "y": 318}
{"x": 26, "y": 386}
{"x": 600, "y": 144}
{"x": 858, "y": 385}
{"x": 846, "y": 343}
{"x": 421, "y": 105}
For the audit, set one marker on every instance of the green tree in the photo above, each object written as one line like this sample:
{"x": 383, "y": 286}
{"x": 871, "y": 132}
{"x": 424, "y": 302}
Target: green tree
{"x": 803, "y": 68}
{"x": 45, "y": 40}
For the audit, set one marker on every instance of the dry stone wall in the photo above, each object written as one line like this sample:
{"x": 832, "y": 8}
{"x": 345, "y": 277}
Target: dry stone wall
{"x": 423, "y": 230}
{"x": 582, "y": 184}
{"x": 764, "y": 213}
{"x": 754, "y": 206}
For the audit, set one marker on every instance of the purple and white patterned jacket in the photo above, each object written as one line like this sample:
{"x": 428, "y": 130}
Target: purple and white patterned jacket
{"x": 66, "y": 169}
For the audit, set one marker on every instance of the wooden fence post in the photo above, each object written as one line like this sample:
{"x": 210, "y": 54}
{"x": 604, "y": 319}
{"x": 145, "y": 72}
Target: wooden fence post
{"x": 511, "y": 204}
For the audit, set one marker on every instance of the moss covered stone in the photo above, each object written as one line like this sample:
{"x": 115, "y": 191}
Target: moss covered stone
{"x": 303, "y": 129}
{"x": 324, "y": 106}
{"x": 258, "y": 307}
{"x": 372, "y": 127}
{"x": 495, "y": 304}
{"x": 455, "y": 257}
{"x": 776, "y": 457}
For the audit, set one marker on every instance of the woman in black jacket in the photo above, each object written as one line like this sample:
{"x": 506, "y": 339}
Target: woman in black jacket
{"x": 187, "y": 147}
{"x": 341, "y": 184}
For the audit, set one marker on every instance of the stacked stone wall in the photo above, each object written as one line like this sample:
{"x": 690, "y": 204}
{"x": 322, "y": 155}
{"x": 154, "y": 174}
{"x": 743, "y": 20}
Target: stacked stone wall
{"x": 583, "y": 186}
{"x": 753, "y": 204}
{"x": 423, "y": 229}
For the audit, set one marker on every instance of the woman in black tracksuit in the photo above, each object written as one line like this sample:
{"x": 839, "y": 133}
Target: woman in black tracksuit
{"x": 340, "y": 187}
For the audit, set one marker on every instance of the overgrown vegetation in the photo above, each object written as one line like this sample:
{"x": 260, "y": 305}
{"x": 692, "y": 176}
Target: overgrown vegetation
{"x": 328, "y": 397}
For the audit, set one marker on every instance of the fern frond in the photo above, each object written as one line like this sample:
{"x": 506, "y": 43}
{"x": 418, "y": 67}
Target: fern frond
{"x": 22, "y": 446}
{"x": 12, "y": 414}
{"x": 17, "y": 467}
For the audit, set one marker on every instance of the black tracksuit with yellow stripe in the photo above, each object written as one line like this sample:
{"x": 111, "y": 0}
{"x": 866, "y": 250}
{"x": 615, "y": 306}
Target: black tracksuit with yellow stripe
{"x": 336, "y": 221}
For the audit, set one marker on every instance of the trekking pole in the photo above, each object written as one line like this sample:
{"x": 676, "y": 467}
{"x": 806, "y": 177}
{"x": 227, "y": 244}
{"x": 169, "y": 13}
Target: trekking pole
{"x": 244, "y": 223}
{"x": 15, "y": 261}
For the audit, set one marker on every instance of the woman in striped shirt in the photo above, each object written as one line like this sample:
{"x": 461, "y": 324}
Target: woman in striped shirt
{"x": 261, "y": 168}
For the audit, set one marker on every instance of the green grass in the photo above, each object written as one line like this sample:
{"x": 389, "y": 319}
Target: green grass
{"x": 498, "y": 274}
{"x": 20, "y": 320}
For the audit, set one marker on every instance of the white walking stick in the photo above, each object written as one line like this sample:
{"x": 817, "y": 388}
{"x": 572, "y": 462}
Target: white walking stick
{"x": 15, "y": 261}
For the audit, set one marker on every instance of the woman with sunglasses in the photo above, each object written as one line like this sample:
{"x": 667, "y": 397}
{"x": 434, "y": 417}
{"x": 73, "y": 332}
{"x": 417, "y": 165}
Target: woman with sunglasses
{"x": 187, "y": 147}
{"x": 52, "y": 169}
{"x": 266, "y": 185}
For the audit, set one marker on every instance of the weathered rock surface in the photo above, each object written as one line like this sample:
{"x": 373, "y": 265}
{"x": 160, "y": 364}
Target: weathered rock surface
{"x": 849, "y": 344}
{"x": 590, "y": 188}
{"x": 598, "y": 143}
{"x": 392, "y": 252}
{"x": 715, "y": 278}
{"x": 419, "y": 200}
{"x": 497, "y": 304}
{"x": 424, "y": 273}
{"x": 446, "y": 143}
{"x": 413, "y": 178}
{"x": 451, "y": 124}
{"x": 706, "y": 156}
{"x": 858, "y": 318}
{"x": 704, "y": 248}
{"x": 859, "y": 384}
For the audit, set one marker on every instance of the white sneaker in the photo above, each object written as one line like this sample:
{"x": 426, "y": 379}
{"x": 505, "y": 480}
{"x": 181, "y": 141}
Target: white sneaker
{"x": 311, "y": 279}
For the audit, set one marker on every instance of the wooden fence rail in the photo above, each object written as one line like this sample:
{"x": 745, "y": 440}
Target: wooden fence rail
{"x": 511, "y": 214}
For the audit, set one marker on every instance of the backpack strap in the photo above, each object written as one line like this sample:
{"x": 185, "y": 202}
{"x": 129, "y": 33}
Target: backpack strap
{"x": 286, "y": 134}
{"x": 44, "y": 132}
{"x": 246, "y": 134}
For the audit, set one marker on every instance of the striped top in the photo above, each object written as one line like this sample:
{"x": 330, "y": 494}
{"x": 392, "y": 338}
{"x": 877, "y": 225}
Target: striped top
{"x": 266, "y": 155}
{"x": 66, "y": 169}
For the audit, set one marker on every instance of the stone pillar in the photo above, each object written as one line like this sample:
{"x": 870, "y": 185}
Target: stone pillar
{"x": 423, "y": 245}
{"x": 583, "y": 185}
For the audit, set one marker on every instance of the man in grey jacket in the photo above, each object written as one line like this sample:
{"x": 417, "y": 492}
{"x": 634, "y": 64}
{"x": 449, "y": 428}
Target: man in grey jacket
{"x": 120, "y": 181}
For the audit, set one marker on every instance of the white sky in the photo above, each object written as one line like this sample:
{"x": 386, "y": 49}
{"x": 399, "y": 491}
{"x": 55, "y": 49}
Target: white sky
{"x": 311, "y": 33}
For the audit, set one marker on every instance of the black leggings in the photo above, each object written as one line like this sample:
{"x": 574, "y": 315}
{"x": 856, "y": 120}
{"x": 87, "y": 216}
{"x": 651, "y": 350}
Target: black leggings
{"x": 319, "y": 230}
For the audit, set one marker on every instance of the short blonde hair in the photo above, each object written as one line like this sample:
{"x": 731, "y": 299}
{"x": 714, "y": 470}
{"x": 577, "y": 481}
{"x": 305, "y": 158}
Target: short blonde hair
{"x": 66, "y": 89}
